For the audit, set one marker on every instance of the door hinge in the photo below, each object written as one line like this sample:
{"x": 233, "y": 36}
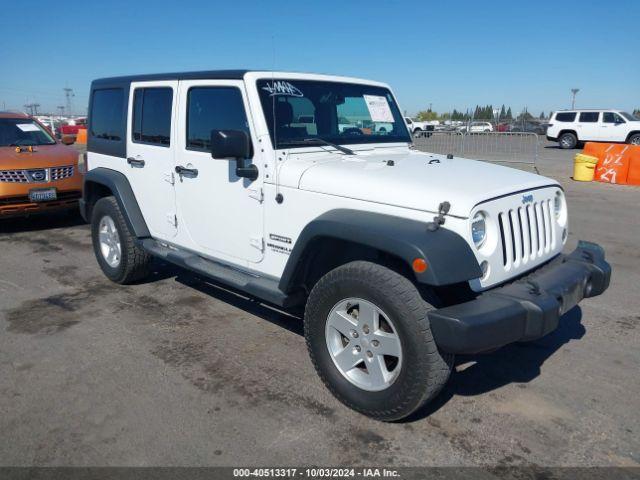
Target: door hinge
{"x": 257, "y": 242}
{"x": 172, "y": 218}
{"x": 170, "y": 177}
{"x": 257, "y": 194}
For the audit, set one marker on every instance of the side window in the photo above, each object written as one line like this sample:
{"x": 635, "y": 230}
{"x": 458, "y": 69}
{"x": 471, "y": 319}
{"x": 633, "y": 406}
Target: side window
{"x": 213, "y": 108}
{"x": 152, "y": 115}
{"x": 565, "y": 116}
{"x": 106, "y": 114}
{"x": 589, "y": 117}
{"x": 611, "y": 117}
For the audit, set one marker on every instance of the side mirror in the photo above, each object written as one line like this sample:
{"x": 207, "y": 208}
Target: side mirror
{"x": 234, "y": 144}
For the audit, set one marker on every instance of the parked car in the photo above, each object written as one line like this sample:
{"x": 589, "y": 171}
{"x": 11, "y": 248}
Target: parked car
{"x": 417, "y": 127}
{"x": 37, "y": 174}
{"x": 571, "y": 127}
{"x": 530, "y": 127}
{"x": 476, "y": 127}
{"x": 397, "y": 259}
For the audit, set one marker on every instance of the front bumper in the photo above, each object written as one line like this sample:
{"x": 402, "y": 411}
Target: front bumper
{"x": 526, "y": 309}
{"x": 21, "y": 206}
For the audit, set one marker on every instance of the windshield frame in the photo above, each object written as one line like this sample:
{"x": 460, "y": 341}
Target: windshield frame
{"x": 364, "y": 139}
{"x": 43, "y": 130}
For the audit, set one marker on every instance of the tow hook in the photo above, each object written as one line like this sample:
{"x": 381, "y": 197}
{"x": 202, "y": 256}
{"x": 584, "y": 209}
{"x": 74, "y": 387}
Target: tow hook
{"x": 438, "y": 220}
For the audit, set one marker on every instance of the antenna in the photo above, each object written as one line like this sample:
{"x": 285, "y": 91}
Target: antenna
{"x": 276, "y": 165}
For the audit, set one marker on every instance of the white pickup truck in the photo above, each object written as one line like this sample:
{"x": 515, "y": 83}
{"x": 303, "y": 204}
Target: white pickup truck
{"x": 416, "y": 127}
{"x": 395, "y": 259}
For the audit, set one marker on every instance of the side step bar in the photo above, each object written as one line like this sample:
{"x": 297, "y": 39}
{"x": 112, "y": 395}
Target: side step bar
{"x": 263, "y": 288}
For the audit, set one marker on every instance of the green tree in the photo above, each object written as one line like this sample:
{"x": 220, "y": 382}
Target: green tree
{"x": 427, "y": 115}
{"x": 542, "y": 117}
{"x": 509, "y": 114}
{"x": 503, "y": 112}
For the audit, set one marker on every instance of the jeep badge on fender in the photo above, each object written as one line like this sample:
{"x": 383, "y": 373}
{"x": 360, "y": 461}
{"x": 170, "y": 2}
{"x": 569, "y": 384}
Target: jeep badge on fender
{"x": 302, "y": 191}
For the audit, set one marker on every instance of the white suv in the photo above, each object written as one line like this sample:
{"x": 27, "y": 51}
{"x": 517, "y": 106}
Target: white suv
{"x": 396, "y": 259}
{"x": 571, "y": 127}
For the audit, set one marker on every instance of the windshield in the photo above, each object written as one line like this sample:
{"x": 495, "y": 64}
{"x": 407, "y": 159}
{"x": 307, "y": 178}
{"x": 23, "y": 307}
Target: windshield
{"x": 629, "y": 117}
{"x": 341, "y": 113}
{"x": 23, "y": 132}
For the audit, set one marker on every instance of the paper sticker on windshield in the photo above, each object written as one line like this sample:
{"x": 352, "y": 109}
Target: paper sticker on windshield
{"x": 282, "y": 88}
{"x": 379, "y": 108}
{"x": 28, "y": 127}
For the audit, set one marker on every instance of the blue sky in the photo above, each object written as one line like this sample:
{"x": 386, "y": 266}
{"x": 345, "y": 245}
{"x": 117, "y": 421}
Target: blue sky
{"x": 452, "y": 54}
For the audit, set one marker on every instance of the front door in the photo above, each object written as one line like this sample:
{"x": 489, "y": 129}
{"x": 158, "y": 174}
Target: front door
{"x": 219, "y": 213}
{"x": 613, "y": 127}
{"x": 150, "y": 138}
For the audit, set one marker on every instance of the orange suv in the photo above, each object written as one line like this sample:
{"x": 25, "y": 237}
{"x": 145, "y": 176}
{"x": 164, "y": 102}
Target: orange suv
{"x": 37, "y": 173}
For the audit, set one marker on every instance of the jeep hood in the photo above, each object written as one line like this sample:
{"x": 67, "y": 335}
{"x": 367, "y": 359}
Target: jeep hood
{"x": 414, "y": 180}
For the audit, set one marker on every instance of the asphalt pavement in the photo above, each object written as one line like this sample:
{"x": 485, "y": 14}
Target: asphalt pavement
{"x": 178, "y": 371}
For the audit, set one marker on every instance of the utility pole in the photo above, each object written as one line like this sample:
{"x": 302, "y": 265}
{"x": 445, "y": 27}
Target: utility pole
{"x": 574, "y": 92}
{"x": 35, "y": 108}
{"x": 68, "y": 93}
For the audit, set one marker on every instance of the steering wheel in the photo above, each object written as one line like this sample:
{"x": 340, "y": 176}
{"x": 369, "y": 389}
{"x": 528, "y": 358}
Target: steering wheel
{"x": 352, "y": 131}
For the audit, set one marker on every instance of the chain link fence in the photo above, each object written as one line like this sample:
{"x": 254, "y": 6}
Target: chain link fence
{"x": 519, "y": 148}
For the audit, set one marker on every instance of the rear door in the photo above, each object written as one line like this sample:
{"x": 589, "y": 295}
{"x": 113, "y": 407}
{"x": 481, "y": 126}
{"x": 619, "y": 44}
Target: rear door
{"x": 150, "y": 142}
{"x": 589, "y": 126}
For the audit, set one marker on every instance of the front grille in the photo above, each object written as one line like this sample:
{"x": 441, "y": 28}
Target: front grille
{"x": 13, "y": 176}
{"x": 59, "y": 173}
{"x": 22, "y": 176}
{"x": 526, "y": 233}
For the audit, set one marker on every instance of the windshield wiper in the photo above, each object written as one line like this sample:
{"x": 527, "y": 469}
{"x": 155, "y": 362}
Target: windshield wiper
{"x": 344, "y": 150}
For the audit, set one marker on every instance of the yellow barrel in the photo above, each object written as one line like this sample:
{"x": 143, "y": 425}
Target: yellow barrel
{"x": 584, "y": 167}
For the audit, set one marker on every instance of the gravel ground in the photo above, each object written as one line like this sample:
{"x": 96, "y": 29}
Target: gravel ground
{"x": 178, "y": 371}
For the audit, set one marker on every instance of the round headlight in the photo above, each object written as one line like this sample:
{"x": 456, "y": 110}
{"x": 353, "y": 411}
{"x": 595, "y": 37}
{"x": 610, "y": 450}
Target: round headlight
{"x": 479, "y": 229}
{"x": 557, "y": 205}
{"x": 560, "y": 209}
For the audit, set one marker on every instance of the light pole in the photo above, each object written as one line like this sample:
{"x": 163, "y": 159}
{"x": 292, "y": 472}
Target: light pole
{"x": 574, "y": 91}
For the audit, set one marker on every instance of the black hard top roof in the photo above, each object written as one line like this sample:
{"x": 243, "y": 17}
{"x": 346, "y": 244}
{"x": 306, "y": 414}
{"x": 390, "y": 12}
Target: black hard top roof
{"x": 203, "y": 75}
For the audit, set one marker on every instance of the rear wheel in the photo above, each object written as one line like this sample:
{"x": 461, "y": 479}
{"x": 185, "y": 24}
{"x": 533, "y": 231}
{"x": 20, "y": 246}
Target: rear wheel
{"x": 634, "y": 139}
{"x": 118, "y": 255}
{"x": 369, "y": 338}
{"x": 568, "y": 141}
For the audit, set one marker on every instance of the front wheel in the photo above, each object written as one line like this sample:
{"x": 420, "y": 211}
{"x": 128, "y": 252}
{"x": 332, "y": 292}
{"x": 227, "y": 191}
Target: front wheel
{"x": 369, "y": 338}
{"x": 634, "y": 139}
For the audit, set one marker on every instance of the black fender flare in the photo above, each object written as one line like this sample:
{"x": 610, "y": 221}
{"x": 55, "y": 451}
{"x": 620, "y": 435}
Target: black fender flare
{"x": 449, "y": 257}
{"x": 121, "y": 189}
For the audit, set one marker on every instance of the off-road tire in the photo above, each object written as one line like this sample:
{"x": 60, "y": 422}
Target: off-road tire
{"x": 424, "y": 369}
{"x": 568, "y": 141}
{"x": 134, "y": 263}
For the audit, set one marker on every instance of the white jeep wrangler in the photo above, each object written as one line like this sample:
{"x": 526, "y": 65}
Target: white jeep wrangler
{"x": 398, "y": 259}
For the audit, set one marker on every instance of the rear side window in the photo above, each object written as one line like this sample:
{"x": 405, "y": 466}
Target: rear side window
{"x": 589, "y": 117}
{"x": 152, "y": 116}
{"x": 213, "y": 108}
{"x": 565, "y": 116}
{"x": 106, "y": 114}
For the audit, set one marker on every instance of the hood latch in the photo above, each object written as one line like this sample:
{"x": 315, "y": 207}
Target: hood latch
{"x": 443, "y": 209}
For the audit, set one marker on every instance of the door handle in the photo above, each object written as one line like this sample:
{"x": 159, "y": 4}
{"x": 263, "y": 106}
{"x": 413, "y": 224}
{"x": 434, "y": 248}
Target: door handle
{"x": 186, "y": 172}
{"x": 135, "y": 162}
